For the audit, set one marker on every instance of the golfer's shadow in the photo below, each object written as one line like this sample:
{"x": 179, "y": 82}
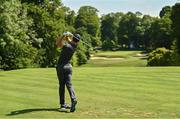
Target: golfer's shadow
{"x": 24, "y": 111}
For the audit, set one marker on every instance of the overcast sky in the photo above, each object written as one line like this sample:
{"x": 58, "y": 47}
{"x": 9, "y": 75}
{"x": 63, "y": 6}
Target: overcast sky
{"x": 151, "y": 7}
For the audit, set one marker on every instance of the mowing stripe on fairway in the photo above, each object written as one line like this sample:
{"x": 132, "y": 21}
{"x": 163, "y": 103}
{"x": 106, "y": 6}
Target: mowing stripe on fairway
{"x": 113, "y": 92}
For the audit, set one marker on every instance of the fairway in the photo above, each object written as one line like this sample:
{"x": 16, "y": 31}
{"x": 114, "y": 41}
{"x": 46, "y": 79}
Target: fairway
{"x": 117, "y": 59}
{"x": 89, "y": 59}
{"x": 104, "y": 92}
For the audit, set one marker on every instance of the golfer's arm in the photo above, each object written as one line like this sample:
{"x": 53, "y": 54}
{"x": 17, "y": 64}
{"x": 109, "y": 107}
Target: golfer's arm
{"x": 60, "y": 42}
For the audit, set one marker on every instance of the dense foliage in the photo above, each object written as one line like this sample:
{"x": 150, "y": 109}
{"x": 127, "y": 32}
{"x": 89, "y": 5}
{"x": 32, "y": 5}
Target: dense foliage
{"x": 16, "y": 50}
{"x": 175, "y": 17}
{"x": 109, "y": 27}
{"x": 28, "y": 30}
{"x": 160, "y": 57}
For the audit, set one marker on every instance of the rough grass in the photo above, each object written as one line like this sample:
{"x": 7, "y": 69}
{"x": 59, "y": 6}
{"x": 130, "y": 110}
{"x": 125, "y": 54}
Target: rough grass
{"x": 113, "y": 92}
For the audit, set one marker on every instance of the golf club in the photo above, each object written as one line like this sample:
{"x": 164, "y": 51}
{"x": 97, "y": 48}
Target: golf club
{"x": 70, "y": 35}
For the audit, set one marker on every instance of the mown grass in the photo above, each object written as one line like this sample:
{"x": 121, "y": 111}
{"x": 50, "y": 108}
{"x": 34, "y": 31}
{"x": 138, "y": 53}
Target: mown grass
{"x": 126, "y": 58}
{"x": 120, "y": 54}
{"x": 102, "y": 92}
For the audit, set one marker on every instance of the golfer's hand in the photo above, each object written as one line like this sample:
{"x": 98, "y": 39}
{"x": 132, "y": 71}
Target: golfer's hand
{"x": 67, "y": 34}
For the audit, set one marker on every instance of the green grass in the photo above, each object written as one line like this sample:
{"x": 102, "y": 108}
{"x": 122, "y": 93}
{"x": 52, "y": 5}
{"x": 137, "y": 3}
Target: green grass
{"x": 113, "y": 92}
{"x": 111, "y": 54}
{"x": 105, "y": 88}
{"x": 126, "y": 58}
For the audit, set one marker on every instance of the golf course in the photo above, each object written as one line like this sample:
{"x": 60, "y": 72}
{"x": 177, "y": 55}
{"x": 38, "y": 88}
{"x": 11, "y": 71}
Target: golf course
{"x": 112, "y": 85}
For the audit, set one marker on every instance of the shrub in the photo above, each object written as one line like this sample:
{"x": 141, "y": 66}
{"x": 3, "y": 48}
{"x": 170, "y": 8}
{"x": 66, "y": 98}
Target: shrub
{"x": 161, "y": 57}
{"x": 108, "y": 45}
{"x": 81, "y": 58}
{"x": 18, "y": 56}
{"x": 74, "y": 59}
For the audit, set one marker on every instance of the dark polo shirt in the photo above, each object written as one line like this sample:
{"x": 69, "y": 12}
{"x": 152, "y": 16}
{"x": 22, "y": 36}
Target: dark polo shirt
{"x": 66, "y": 54}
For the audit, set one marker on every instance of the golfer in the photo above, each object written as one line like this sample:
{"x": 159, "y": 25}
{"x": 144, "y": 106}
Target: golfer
{"x": 68, "y": 42}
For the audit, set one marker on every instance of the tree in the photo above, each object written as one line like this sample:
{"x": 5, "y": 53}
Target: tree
{"x": 83, "y": 51}
{"x": 146, "y": 23}
{"x": 88, "y": 18}
{"x": 88, "y": 26}
{"x": 165, "y": 12}
{"x": 16, "y": 49}
{"x": 160, "y": 33}
{"x": 109, "y": 27}
{"x": 175, "y": 17}
{"x": 51, "y": 19}
{"x": 129, "y": 31}
{"x": 70, "y": 17}
{"x": 42, "y": 2}
{"x": 48, "y": 23}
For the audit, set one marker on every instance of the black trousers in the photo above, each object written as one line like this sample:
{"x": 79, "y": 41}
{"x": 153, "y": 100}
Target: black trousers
{"x": 64, "y": 73}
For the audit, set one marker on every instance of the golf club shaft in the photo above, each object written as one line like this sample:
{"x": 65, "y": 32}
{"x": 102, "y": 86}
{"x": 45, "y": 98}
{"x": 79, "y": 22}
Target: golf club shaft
{"x": 70, "y": 34}
{"x": 86, "y": 44}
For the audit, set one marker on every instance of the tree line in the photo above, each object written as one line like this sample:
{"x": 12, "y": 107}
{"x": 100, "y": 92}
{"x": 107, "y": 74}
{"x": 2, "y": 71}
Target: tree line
{"x": 159, "y": 36}
{"x": 28, "y": 30}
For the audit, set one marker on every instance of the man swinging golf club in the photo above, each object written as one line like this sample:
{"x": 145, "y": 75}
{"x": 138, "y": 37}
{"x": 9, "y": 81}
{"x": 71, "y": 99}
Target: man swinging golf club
{"x": 68, "y": 42}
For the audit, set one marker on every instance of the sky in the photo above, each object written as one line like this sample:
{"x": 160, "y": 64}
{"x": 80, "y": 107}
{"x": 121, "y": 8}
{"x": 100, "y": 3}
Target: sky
{"x": 151, "y": 7}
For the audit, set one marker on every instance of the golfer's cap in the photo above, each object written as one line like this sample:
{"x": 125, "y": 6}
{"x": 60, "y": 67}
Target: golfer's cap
{"x": 77, "y": 37}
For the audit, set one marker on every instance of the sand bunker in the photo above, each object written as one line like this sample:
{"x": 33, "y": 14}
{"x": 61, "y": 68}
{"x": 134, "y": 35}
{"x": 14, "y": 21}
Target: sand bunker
{"x": 141, "y": 55}
{"x": 105, "y": 58}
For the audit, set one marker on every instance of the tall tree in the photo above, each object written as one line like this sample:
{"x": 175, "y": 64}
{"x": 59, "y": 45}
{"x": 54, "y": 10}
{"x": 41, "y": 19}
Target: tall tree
{"x": 88, "y": 18}
{"x": 146, "y": 23}
{"x": 160, "y": 33}
{"x": 109, "y": 27}
{"x": 16, "y": 49}
{"x": 175, "y": 17}
{"x": 42, "y": 2}
{"x": 48, "y": 23}
{"x": 165, "y": 12}
{"x": 129, "y": 31}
